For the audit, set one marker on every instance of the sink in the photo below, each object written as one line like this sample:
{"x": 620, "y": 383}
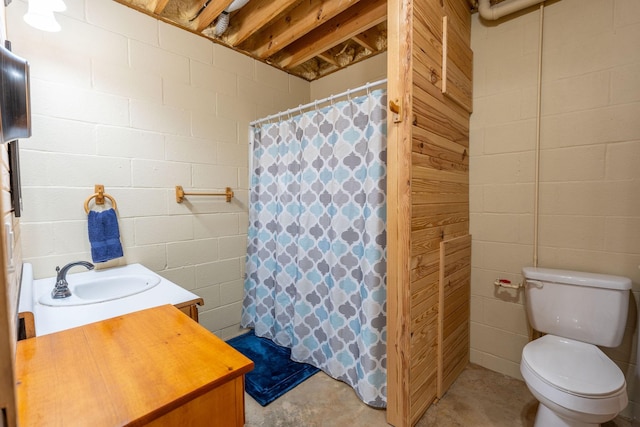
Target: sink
{"x": 102, "y": 289}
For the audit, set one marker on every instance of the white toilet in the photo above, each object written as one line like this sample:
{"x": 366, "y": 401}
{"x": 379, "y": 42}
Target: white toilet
{"x": 576, "y": 384}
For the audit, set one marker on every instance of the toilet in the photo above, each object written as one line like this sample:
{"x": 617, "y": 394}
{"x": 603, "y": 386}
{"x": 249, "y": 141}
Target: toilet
{"x": 576, "y": 384}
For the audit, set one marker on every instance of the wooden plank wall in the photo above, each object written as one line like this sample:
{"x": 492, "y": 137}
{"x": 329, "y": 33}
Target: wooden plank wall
{"x": 428, "y": 142}
{"x": 454, "y": 310}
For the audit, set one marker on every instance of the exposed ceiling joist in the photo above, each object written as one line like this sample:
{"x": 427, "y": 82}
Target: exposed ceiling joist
{"x": 295, "y": 24}
{"x": 248, "y": 20}
{"x": 307, "y": 38}
{"x": 359, "y": 18}
{"x": 210, "y": 13}
{"x": 160, "y": 5}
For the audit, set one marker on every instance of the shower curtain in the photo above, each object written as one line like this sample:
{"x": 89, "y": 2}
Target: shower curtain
{"x": 316, "y": 258}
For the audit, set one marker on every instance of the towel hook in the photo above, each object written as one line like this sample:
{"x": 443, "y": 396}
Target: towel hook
{"x": 99, "y": 195}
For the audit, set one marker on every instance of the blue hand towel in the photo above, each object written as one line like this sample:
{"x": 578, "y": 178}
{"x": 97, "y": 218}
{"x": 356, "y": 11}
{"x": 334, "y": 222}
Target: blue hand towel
{"x": 104, "y": 235}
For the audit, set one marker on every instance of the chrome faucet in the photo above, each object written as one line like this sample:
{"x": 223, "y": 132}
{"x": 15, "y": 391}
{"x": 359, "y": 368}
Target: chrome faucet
{"x": 61, "y": 289}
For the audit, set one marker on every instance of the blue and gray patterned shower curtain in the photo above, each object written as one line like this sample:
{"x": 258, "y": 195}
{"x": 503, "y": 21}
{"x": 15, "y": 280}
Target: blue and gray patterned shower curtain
{"x": 316, "y": 258}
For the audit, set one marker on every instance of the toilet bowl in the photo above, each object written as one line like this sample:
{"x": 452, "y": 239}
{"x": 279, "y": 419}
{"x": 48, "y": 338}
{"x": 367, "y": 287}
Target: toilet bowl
{"x": 576, "y": 384}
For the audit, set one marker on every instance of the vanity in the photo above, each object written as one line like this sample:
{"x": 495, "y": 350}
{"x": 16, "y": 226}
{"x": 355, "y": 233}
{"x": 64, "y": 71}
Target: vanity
{"x": 122, "y": 350}
{"x": 97, "y": 295}
{"x": 153, "y": 367}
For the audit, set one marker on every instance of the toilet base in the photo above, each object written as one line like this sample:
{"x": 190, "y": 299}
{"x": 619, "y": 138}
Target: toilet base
{"x": 545, "y": 417}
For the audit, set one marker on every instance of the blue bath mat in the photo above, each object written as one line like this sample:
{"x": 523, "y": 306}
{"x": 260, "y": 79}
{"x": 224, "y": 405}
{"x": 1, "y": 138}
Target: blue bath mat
{"x": 274, "y": 372}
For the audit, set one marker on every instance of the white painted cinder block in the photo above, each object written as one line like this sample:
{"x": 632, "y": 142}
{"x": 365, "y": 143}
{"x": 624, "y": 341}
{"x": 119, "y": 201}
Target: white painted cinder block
{"x": 38, "y": 237}
{"x": 203, "y": 125}
{"x": 187, "y": 97}
{"x": 228, "y": 60}
{"x": 217, "y": 272}
{"x": 232, "y": 246}
{"x": 51, "y": 134}
{"x": 188, "y": 149}
{"x": 213, "y": 78}
{"x": 221, "y": 317}
{"x": 159, "y": 174}
{"x": 150, "y": 59}
{"x": 160, "y": 118}
{"x": 83, "y": 39}
{"x": 234, "y": 108}
{"x": 267, "y": 75}
{"x": 141, "y": 202}
{"x": 215, "y": 225}
{"x": 153, "y": 257}
{"x": 623, "y": 160}
{"x": 233, "y": 154}
{"x": 231, "y": 292}
{"x": 211, "y": 296}
{"x": 192, "y": 252}
{"x": 162, "y": 229}
{"x": 56, "y": 65}
{"x": 123, "y": 20}
{"x": 124, "y": 81}
{"x": 130, "y": 143}
{"x": 67, "y": 170}
{"x": 79, "y": 104}
{"x": 184, "y": 43}
{"x": 584, "y": 163}
{"x": 183, "y": 276}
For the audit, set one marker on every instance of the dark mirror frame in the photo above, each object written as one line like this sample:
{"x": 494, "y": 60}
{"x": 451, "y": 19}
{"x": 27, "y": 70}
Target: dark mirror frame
{"x": 13, "y": 148}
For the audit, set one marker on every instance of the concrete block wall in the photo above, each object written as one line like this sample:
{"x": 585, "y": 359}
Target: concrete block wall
{"x": 589, "y": 173}
{"x": 137, "y": 105}
{"x": 368, "y": 71}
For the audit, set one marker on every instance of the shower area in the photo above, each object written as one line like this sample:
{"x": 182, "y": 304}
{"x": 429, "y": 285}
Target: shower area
{"x": 359, "y": 253}
{"x": 316, "y": 257}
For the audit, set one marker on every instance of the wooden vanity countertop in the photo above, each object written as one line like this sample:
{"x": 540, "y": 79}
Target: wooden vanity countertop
{"x": 128, "y": 370}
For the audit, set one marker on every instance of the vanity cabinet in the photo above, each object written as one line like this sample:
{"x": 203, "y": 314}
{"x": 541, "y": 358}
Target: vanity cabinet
{"x": 190, "y": 308}
{"x": 27, "y": 323}
{"x": 152, "y": 367}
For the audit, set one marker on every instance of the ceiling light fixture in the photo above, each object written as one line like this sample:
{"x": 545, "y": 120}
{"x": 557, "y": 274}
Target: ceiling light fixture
{"x": 40, "y": 14}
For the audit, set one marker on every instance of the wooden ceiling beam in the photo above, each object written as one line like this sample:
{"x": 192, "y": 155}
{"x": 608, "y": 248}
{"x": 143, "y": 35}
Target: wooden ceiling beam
{"x": 299, "y": 21}
{"x": 253, "y": 17}
{"x": 326, "y": 57}
{"x": 210, "y": 13}
{"x": 355, "y": 20}
{"x": 160, "y": 5}
{"x": 373, "y": 39}
{"x": 363, "y": 41}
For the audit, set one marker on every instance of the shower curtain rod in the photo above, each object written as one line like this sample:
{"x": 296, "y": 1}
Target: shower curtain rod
{"x": 315, "y": 104}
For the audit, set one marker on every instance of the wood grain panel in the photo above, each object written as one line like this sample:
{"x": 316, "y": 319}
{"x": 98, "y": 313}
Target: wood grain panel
{"x": 458, "y": 13}
{"x": 455, "y": 270}
{"x": 428, "y": 239}
{"x": 435, "y": 215}
{"x": 459, "y": 147}
{"x": 456, "y": 68}
{"x": 399, "y": 90}
{"x": 438, "y": 185}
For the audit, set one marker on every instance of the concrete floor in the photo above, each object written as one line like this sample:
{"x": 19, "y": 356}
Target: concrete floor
{"x": 478, "y": 398}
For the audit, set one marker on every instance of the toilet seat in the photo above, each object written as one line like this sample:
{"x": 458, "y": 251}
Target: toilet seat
{"x": 575, "y": 375}
{"x": 575, "y": 367}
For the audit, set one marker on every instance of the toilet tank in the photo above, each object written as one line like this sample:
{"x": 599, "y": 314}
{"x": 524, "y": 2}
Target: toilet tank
{"x": 586, "y": 307}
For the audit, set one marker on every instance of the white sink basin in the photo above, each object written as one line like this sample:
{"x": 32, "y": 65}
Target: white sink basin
{"x": 97, "y": 290}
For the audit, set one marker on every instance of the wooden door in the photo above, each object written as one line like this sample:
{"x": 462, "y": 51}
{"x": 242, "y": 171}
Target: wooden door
{"x": 428, "y": 187}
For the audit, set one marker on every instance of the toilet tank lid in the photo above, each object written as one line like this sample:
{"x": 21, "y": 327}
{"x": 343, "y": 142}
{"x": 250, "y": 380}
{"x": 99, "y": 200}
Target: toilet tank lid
{"x": 579, "y": 278}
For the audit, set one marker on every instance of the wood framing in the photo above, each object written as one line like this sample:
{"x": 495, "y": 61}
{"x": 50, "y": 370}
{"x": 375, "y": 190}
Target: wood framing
{"x": 309, "y": 39}
{"x": 454, "y": 311}
{"x": 428, "y": 202}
